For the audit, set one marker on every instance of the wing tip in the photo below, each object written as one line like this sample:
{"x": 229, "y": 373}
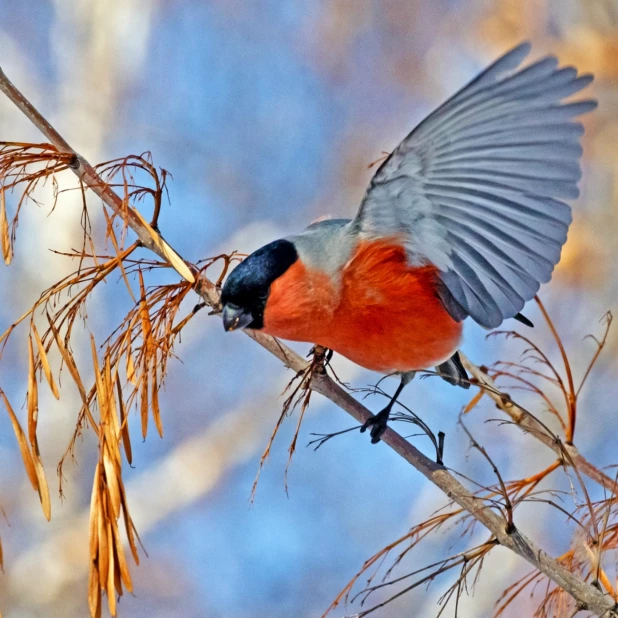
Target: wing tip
{"x": 523, "y": 49}
{"x": 586, "y": 79}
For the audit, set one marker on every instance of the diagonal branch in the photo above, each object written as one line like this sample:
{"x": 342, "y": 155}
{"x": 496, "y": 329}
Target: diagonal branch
{"x": 585, "y": 594}
{"x": 149, "y": 237}
{"x": 569, "y": 453}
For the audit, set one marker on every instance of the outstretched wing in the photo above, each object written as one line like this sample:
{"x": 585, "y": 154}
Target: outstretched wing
{"x": 477, "y": 188}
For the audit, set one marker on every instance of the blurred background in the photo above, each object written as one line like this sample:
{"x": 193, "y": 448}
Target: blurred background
{"x": 268, "y": 114}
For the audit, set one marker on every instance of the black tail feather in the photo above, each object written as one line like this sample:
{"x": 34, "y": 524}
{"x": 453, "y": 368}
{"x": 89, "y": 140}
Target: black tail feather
{"x": 453, "y": 372}
{"x": 524, "y": 320}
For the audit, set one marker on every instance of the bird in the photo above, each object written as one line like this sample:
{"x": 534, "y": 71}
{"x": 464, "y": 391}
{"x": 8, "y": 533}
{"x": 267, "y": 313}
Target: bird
{"x": 466, "y": 218}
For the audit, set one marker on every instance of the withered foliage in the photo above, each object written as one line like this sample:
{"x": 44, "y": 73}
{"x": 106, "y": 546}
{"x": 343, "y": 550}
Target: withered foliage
{"x": 299, "y": 389}
{"x": 593, "y": 554}
{"x": 127, "y": 371}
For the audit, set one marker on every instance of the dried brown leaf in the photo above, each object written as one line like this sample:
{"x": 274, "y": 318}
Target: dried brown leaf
{"x": 122, "y": 565}
{"x": 117, "y": 577}
{"x": 147, "y": 338}
{"x": 45, "y": 363}
{"x": 129, "y": 525}
{"x": 131, "y": 368}
{"x": 23, "y": 444}
{"x": 103, "y": 539}
{"x": 114, "y": 425}
{"x": 111, "y": 588}
{"x": 124, "y": 425}
{"x": 607, "y": 584}
{"x": 120, "y": 254}
{"x": 33, "y": 395}
{"x": 474, "y": 401}
{"x": 154, "y": 394}
{"x": 5, "y": 238}
{"x": 93, "y": 525}
{"x": 144, "y": 404}
{"x": 94, "y": 591}
{"x": 68, "y": 359}
{"x": 42, "y": 479}
{"x": 144, "y": 315}
{"x": 100, "y": 386}
{"x": 111, "y": 478}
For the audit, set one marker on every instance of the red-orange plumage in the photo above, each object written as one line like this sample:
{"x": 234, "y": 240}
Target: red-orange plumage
{"x": 382, "y": 313}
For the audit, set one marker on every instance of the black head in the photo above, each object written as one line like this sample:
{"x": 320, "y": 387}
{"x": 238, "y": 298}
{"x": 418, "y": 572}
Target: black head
{"x": 246, "y": 290}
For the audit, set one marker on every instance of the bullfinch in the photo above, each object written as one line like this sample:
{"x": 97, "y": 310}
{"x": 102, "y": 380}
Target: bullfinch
{"x": 465, "y": 218}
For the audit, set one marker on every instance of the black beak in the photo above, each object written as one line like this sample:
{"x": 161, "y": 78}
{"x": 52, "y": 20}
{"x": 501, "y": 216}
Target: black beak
{"x": 235, "y": 317}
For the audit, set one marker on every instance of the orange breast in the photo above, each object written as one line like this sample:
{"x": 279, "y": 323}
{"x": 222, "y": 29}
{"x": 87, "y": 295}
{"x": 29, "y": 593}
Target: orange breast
{"x": 383, "y": 314}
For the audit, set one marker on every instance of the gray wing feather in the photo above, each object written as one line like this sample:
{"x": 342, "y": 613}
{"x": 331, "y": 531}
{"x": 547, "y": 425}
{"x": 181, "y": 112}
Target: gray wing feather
{"x": 477, "y": 188}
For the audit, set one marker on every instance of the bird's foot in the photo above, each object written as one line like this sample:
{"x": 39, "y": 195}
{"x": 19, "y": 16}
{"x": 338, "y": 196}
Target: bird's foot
{"x": 378, "y": 424}
{"x": 320, "y": 359}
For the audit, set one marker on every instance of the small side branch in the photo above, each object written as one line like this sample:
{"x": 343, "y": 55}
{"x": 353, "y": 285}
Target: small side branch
{"x": 531, "y": 425}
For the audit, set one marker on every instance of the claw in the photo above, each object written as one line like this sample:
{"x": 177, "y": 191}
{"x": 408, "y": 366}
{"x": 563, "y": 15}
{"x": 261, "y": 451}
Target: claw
{"x": 378, "y": 424}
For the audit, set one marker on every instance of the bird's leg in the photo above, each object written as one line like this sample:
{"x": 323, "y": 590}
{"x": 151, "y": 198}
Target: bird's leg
{"x": 320, "y": 358}
{"x": 379, "y": 422}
